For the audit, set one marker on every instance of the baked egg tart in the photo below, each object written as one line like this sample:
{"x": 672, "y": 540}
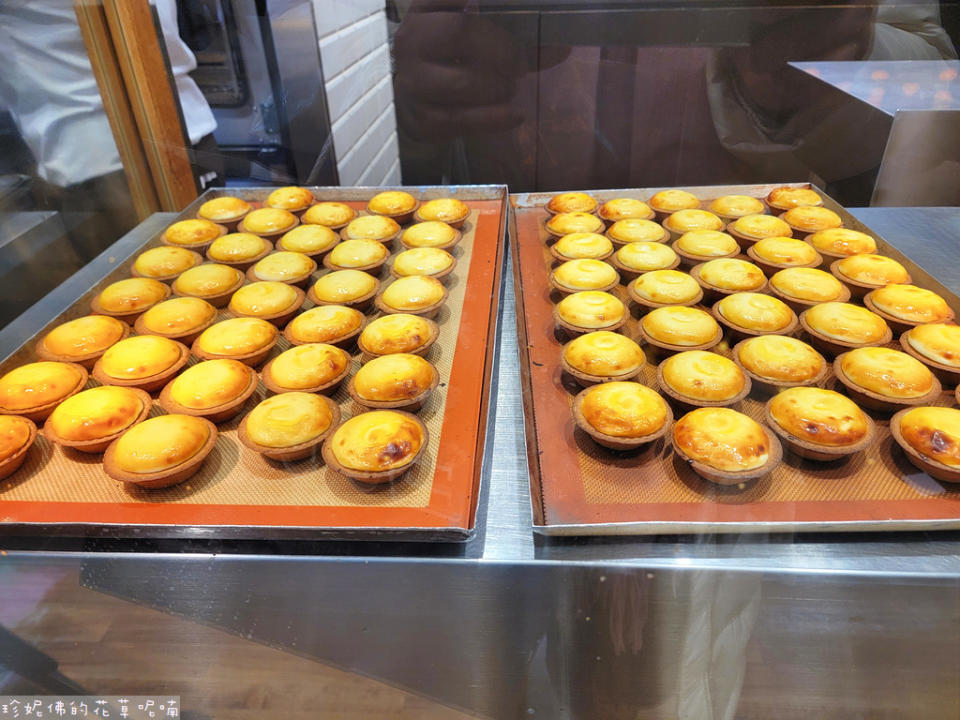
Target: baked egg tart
{"x": 699, "y": 246}
{"x": 775, "y": 362}
{"x": 268, "y": 222}
{"x": 239, "y": 250}
{"x": 573, "y": 222}
{"x": 366, "y": 255}
{"x": 622, "y": 415}
{"x": 451, "y": 211}
{"x": 398, "y": 333}
{"x": 414, "y": 295}
{"x": 276, "y": 302}
{"x": 164, "y": 262}
{"x": 395, "y": 204}
{"x": 289, "y": 426}
{"x": 801, "y": 288}
{"x": 684, "y": 221}
{"x": 583, "y": 312}
{"x": 423, "y": 261}
{"x": 634, "y": 230}
{"x": 636, "y": 258}
{"x": 310, "y": 368}
{"x": 310, "y": 240}
{"x": 371, "y": 227}
{"x": 906, "y": 306}
{"x": 128, "y": 299}
{"x": 17, "y": 434}
{"x": 582, "y": 246}
{"x": 571, "y": 202}
{"x": 353, "y": 288}
{"x": 226, "y": 209}
{"x": 865, "y": 272}
{"x": 779, "y": 253}
{"x": 576, "y": 275}
{"x": 284, "y": 266}
{"x": 747, "y": 314}
{"x": 214, "y": 389}
{"x": 835, "y": 327}
{"x": 725, "y": 446}
{"x": 625, "y": 209}
{"x": 731, "y": 207}
{"x": 333, "y": 215}
{"x": 247, "y": 339}
{"x": 91, "y": 419}
{"x": 936, "y": 345}
{"x": 698, "y": 378}
{"x": 194, "y": 234}
{"x": 667, "y": 202}
{"x": 212, "y": 282}
{"x": 930, "y": 438}
{"x": 333, "y": 324}
{"x": 161, "y": 451}
{"x": 677, "y": 328}
{"x": 602, "y": 356}
{"x": 143, "y": 361}
{"x": 880, "y": 378}
{"x": 725, "y": 276}
{"x": 659, "y": 288}
{"x": 430, "y": 234}
{"x": 293, "y": 199}
{"x": 377, "y": 446}
{"x": 785, "y": 198}
{"x": 35, "y": 389}
{"x": 82, "y": 340}
{"x": 810, "y": 219}
{"x": 182, "y": 318}
{"x": 838, "y": 243}
{"x": 400, "y": 381}
{"x": 751, "y": 228}
{"x": 819, "y": 424}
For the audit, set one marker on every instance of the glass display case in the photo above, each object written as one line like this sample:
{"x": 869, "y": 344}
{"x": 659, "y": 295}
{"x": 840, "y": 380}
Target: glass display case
{"x": 520, "y": 569}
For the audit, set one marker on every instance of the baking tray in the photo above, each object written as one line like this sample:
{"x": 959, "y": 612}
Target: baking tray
{"x": 240, "y": 495}
{"x": 578, "y": 488}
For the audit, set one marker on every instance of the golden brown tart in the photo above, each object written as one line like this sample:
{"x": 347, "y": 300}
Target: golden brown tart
{"x": 395, "y": 204}
{"x": 312, "y": 368}
{"x": 571, "y": 202}
{"x": 143, "y": 361}
{"x": 884, "y": 379}
{"x": 807, "y": 219}
{"x": 775, "y": 362}
{"x": 377, "y": 446}
{"x": 582, "y": 246}
{"x": 82, "y": 340}
{"x": 622, "y": 415}
{"x": 573, "y": 222}
{"x": 702, "y": 379}
{"x": 289, "y": 426}
{"x": 625, "y": 208}
{"x": 589, "y": 310}
{"x": 194, "y": 234}
{"x": 684, "y": 221}
{"x": 35, "y": 389}
{"x": 212, "y": 282}
{"x": 292, "y": 268}
{"x": 214, "y": 389}
{"x": 17, "y": 434}
{"x": 371, "y": 227}
{"x": 268, "y": 222}
{"x": 334, "y": 215}
{"x": 353, "y": 288}
{"x": 311, "y": 240}
{"x": 778, "y": 253}
{"x": 667, "y": 202}
{"x": 276, "y": 302}
{"x": 182, "y": 318}
{"x": 239, "y": 250}
{"x": 430, "y": 234}
{"x": 841, "y": 242}
{"x": 423, "y": 261}
{"x": 91, "y": 419}
{"x": 731, "y": 207}
{"x": 905, "y": 306}
{"x": 398, "y": 333}
{"x": 164, "y": 262}
{"x": 836, "y": 327}
{"x": 659, "y": 288}
{"x": 801, "y": 288}
{"x": 699, "y": 246}
{"x": 751, "y": 228}
{"x": 819, "y": 424}
{"x": 747, "y": 314}
{"x": 865, "y": 272}
{"x": 161, "y": 451}
{"x": 292, "y": 199}
{"x": 637, "y": 230}
{"x": 246, "y": 339}
{"x": 636, "y": 258}
{"x": 227, "y": 209}
{"x": 333, "y": 324}
{"x": 451, "y": 211}
{"x": 128, "y": 299}
{"x": 728, "y": 275}
{"x": 936, "y": 345}
{"x": 577, "y": 275}
{"x": 679, "y": 328}
{"x": 602, "y": 356}
{"x": 366, "y": 255}
{"x": 415, "y": 295}
{"x": 930, "y": 437}
{"x": 785, "y": 198}
{"x": 396, "y": 381}
{"x": 725, "y": 446}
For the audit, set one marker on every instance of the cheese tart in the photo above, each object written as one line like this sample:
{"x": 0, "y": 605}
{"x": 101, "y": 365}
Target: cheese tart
{"x": 602, "y": 356}
{"x": 146, "y": 362}
{"x": 700, "y": 246}
{"x": 290, "y": 426}
{"x": 930, "y": 438}
{"x": 725, "y": 276}
{"x": 17, "y": 435}
{"x": 865, "y": 272}
{"x": 906, "y": 306}
{"x": 212, "y": 282}
{"x": 164, "y": 263}
{"x": 275, "y": 302}
{"x": 571, "y": 202}
{"x": 376, "y": 447}
{"x": 747, "y": 314}
{"x": 292, "y": 199}
{"x": 193, "y": 234}
{"x": 573, "y": 222}
{"x": 82, "y": 340}
{"x": 779, "y": 253}
{"x": 624, "y": 209}
{"x": 451, "y": 211}
{"x": 395, "y": 204}
{"x": 622, "y": 415}
{"x": 92, "y": 419}
{"x": 731, "y": 207}
{"x": 181, "y": 318}
{"x": 801, "y": 288}
{"x": 660, "y": 288}
{"x": 283, "y": 266}
{"x": 398, "y": 333}
{"x": 678, "y": 328}
{"x": 697, "y": 378}
{"x": 786, "y": 198}
{"x": 128, "y": 299}
{"x": 333, "y": 215}
{"x": 810, "y": 219}
{"x": 366, "y": 255}
{"x": 667, "y": 202}
{"x": 684, "y": 221}
{"x": 214, "y": 389}
{"x": 311, "y": 240}
{"x": 371, "y": 227}
{"x": 725, "y": 446}
{"x": 837, "y": 243}
{"x": 334, "y": 324}
{"x": 775, "y": 362}
{"x": 239, "y": 250}
{"x": 937, "y": 346}
{"x": 576, "y": 275}
{"x": 589, "y": 310}
{"x": 432, "y": 234}
{"x": 423, "y": 261}
{"x": 834, "y": 327}
{"x": 883, "y": 379}
{"x": 268, "y": 222}
{"x": 226, "y": 210}
{"x": 35, "y": 389}
{"x": 752, "y": 228}
{"x": 634, "y": 259}
{"x": 399, "y": 381}
{"x": 310, "y": 368}
{"x": 414, "y": 295}
{"x": 582, "y": 246}
{"x": 161, "y": 451}
{"x": 634, "y": 230}
{"x": 819, "y": 424}
{"x": 247, "y": 339}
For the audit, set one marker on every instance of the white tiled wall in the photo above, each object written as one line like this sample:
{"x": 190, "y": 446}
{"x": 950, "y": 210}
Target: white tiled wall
{"x": 356, "y": 67}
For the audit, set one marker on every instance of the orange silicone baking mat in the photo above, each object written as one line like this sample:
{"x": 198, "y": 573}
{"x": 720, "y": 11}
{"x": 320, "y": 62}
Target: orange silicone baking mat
{"x": 238, "y": 493}
{"x": 580, "y": 488}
